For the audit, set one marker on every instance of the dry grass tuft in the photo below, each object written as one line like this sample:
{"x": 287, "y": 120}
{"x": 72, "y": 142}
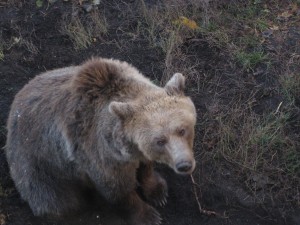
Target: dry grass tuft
{"x": 84, "y": 30}
{"x": 168, "y": 25}
{"x": 99, "y": 23}
{"x": 19, "y": 40}
{"x": 77, "y": 32}
{"x": 1, "y": 53}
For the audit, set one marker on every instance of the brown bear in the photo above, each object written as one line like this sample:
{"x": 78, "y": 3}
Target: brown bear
{"x": 100, "y": 124}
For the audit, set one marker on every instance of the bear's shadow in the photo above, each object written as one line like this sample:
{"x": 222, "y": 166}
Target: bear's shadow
{"x": 180, "y": 206}
{"x": 98, "y": 211}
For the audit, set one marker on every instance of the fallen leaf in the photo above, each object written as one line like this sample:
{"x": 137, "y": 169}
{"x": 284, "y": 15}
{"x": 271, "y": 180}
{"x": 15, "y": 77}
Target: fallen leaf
{"x": 2, "y": 219}
{"x": 186, "y": 22}
{"x": 274, "y": 27}
{"x": 39, "y": 3}
{"x": 294, "y": 8}
{"x": 96, "y": 2}
{"x": 261, "y": 180}
{"x": 16, "y": 40}
{"x": 286, "y": 14}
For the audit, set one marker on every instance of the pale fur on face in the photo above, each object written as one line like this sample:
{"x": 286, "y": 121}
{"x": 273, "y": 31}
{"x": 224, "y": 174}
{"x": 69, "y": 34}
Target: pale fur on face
{"x": 160, "y": 116}
{"x": 163, "y": 120}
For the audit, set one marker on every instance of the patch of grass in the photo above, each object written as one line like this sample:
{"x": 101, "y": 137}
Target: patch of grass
{"x": 268, "y": 132}
{"x": 1, "y": 53}
{"x": 256, "y": 144}
{"x": 83, "y": 30}
{"x": 29, "y": 46}
{"x": 1, "y": 47}
{"x": 98, "y": 23}
{"x": 250, "y": 60}
{"x": 250, "y": 143}
{"x": 77, "y": 32}
{"x": 248, "y": 41}
{"x": 259, "y": 144}
{"x": 246, "y": 12}
{"x": 261, "y": 24}
{"x": 212, "y": 27}
{"x": 290, "y": 86}
{"x": 22, "y": 41}
{"x": 292, "y": 163}
{"x": 151, "y": 24}
{"x": 167, "y": 26}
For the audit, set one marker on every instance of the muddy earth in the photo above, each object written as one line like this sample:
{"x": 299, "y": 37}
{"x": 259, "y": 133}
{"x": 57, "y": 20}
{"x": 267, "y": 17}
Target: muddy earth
{"x": 32, "y": 41}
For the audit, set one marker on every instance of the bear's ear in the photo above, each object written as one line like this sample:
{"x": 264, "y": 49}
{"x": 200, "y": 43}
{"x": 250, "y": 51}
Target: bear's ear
{"x": 176, "y": 85}
{"x": 121, "y": 109}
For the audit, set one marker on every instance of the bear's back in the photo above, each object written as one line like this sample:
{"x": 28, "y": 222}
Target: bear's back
{"x": 54, "y": 104}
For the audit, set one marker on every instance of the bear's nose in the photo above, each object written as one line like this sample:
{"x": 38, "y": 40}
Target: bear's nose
{"x": 184, "y": 166}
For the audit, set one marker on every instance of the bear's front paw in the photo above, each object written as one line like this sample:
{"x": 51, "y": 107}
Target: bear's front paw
{"x": 155, "y": 190}
{"x": 146, "y": 216}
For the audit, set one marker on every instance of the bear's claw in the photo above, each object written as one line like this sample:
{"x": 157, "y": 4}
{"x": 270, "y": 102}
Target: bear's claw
{"x": 156, "y": 219}
{"x": 161, "y": 200}
{"x": 156, "y": 190}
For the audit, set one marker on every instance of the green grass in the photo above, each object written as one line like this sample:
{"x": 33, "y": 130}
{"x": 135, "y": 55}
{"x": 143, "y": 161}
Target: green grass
{"x": 1, "y": 54}
{"x": 248, "y": 41}
{"x": 261, "y": 25}
{"x": 268, "y": 132}
{"x": 258, "y": 143}
{"x": 292, "y": 163}
{"x": 1, "y": 47}
{"x": 290, "y": 86}
{"x": 250, "y": 60}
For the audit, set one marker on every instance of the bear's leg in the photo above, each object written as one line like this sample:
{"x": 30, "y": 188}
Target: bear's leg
{"x": 48, "y": 194}
{"x": 120, "y": 191}
{"x": 154, "y": 187}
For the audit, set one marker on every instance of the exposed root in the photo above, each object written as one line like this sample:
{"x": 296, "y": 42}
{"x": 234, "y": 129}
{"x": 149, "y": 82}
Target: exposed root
{"x": 204, "y": 211}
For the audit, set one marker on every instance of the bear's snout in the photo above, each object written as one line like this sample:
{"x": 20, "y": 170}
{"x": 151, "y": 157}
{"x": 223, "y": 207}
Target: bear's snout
{"x": 185, "y": 167}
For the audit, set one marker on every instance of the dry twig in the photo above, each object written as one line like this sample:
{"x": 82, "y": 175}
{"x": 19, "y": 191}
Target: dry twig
{"x": 204, "y": 211}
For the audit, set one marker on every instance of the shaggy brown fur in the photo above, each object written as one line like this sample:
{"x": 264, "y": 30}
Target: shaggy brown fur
{"x": 96, "y": 125}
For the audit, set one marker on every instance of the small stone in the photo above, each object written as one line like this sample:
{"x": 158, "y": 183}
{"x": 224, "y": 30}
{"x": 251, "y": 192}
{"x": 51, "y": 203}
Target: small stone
{"x": 87, "y": 7}
{"x": 96, "y": 2}
{"x": 267, "y": 33}
{"x": 2, "y": 219}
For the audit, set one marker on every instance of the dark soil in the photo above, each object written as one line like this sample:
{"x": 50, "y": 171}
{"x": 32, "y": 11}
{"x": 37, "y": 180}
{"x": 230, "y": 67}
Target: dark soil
{"x": 41, "y": 26}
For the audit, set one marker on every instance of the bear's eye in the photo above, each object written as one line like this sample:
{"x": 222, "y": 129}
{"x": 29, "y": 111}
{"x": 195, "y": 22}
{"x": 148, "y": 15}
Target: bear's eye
{"x": 181, "y": 132}
{"x": 161, "y": 142}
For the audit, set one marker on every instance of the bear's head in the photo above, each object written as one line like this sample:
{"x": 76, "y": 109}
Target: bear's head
{"x": 161, "y": 124}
